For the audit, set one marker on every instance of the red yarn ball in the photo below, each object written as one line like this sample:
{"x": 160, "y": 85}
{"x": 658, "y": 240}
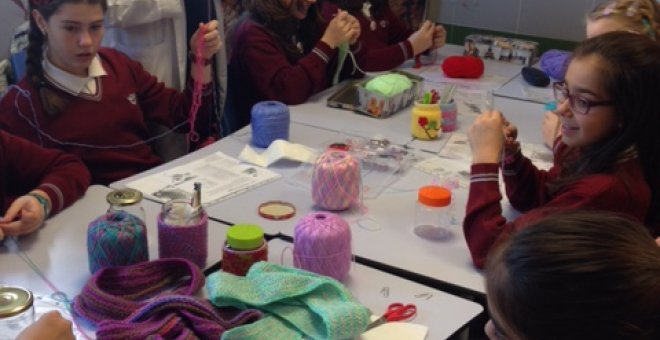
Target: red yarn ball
{"x": 463, "y": 67}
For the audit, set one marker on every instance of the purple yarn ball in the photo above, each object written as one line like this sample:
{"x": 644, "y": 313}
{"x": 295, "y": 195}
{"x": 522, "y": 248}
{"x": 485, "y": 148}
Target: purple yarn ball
{"x": 555, "y": 62}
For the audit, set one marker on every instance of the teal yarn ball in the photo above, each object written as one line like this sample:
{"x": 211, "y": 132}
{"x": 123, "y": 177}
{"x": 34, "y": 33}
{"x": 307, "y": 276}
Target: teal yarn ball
{"x": 389, "y": 84}
{"x": 116, "y": 239}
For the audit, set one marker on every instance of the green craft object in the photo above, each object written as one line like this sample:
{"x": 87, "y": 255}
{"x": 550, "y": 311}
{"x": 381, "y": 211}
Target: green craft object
{"x": 389, "y": 84}
{"x": 297, "y": 304}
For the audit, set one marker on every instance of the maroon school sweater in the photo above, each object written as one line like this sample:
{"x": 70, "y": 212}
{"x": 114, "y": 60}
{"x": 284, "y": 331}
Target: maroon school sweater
{"x": 384, "y": 48}
{"x": 260, "y": 70}
{"x": 25, "y": 166}
{"x": 107, "y": 133}
{"x": 624, "y": 191}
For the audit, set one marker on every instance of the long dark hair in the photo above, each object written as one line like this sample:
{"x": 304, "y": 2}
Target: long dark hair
{"x": 278, "y": 21}
{"x": 630, "y": 72}
{"x": 37, "y": 40}
{"x": 577, "y": 275}
{"x": 52, "y": 101}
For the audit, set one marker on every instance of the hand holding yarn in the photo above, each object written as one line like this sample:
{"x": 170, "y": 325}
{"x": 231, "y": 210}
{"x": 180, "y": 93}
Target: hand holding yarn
{"x": 24, "y": 216}
{"x": 487, "y": 138}
{"x": 340, "y": 30}
{"x": 439, "y": 36}
{"x": 423, "y": 38}
{"x": 210, "y": 42}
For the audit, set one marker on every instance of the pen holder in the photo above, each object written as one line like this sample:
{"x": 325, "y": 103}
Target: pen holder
{"x": 425, "y": 123}
{"x": 182, "y": 232}
{"x": 449, "y": 116}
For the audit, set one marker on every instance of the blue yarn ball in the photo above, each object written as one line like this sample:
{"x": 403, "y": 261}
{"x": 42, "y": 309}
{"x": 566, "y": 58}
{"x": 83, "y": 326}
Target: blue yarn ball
{"x": 116, "y": 239}
{"x": 270, "y": 121}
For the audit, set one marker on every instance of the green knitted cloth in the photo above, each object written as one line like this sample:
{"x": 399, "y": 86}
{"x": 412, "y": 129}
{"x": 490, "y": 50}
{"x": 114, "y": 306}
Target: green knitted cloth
{"x": 296, "y": 303}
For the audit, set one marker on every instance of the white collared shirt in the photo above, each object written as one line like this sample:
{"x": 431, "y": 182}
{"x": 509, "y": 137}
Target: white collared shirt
{"x": 87, "y": 86}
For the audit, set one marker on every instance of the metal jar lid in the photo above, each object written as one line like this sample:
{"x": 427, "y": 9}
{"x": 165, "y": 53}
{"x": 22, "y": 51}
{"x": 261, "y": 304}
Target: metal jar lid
{"x": 14, "y": 301}
{"x": 124, "y": 197}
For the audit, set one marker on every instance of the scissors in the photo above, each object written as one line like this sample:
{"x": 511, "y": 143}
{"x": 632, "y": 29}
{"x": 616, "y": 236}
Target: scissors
{"x": 395, "y": 312}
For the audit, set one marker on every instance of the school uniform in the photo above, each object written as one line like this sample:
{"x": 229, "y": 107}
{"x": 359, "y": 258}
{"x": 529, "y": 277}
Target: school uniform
{"x": 260, "y": 70}
{"x": 384, "y": 39}
{"x": 25, "y": 166}
{"x": 624, "y": 190}
{"x": 105, "y": 118}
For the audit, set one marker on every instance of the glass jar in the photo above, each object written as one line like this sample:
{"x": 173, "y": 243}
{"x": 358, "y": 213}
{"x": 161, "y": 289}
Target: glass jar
{"x": 245, "y": 246}
{"x": 128, "y": 200}
{"x": 426, "y": 121}
{"x": 183, "y": 231}
{"x": 432, "y": 214}
{"x": 16, "y": 311}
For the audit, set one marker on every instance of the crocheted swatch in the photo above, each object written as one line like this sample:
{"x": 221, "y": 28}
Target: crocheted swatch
{"x": 297, "y": 303}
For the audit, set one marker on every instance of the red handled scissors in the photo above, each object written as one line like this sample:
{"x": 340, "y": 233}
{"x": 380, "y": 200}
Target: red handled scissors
{"x": 395, "y": 312}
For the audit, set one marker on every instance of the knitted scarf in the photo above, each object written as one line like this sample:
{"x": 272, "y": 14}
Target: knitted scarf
{"x": 152, "y": 298}
{"x": 297, "y": 303}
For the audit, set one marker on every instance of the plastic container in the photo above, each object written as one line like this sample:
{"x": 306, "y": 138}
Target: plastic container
{"x": 128, "y": 200}
{"x": 449, "y": 116}
{"x": 426, "y": 121}
{"x": 245, "y": 246}
{"x": 16, "y": 311}
{"x": 432, "y": 217}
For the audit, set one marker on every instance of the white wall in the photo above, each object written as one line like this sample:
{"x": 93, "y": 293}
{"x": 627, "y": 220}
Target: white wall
{"x": 10, "y": 17}
{"x": 557, "y": 19}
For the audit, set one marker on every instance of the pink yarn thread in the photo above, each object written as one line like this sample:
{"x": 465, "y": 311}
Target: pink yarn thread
{"x": 336, "y": 181}
{"x": 197, "y": 88}
{"x": 322, "y": 244}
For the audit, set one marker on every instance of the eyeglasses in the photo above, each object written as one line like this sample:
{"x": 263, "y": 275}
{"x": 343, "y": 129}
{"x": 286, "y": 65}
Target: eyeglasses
{"x": 577, "y": 104}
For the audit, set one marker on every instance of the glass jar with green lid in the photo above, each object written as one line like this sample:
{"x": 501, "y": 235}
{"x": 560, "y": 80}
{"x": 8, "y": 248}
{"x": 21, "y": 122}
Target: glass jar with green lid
{"x": 128, "y": 200}
{"x": 16, "y": 311}
{"x": 245, "y": 246}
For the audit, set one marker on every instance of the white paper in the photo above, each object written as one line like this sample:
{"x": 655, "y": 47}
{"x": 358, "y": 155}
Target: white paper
{"x": 277, "y": 150}
{"x": 221, "y": 176}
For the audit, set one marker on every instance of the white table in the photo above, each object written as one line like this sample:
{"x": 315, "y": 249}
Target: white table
{"x": 59, "y": 249}
{"x": 443, "y": 313}
{"x": 518, "y": 88}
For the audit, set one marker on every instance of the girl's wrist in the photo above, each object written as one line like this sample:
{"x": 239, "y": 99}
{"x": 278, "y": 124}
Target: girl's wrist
{"x": 199, "y": 60}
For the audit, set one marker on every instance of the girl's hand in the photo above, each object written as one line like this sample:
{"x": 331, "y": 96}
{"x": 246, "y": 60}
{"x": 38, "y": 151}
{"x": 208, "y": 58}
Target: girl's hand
{"x": 49, "y": 326}
{"x": 487, "y": 138}
{"x": 511, "y": 145}
{"x": 341, "y": 29}
{"x": 422, "y": 39}
{"x": 24, "y": 216}
{"x": 211, "y": 42}
{"x": 355, "y": 28}
{"x": 439, "y": 37}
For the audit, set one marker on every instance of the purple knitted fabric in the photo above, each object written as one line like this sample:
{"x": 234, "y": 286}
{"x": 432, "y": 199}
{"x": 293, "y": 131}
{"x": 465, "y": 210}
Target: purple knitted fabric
{"x": 153, "y": 299}
{"x": 555, "y": 63}
{"x": 173, "y": 317}
{"x": 116, "y": 292}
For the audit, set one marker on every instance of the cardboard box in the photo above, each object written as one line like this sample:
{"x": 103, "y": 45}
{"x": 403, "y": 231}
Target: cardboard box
{"x": 522, "y": 52}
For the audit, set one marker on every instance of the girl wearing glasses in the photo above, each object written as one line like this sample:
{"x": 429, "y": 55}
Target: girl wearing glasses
{"x": 637, "y": 16}
{"x": 607, "y": 157}
{"x": 579, "y": 275}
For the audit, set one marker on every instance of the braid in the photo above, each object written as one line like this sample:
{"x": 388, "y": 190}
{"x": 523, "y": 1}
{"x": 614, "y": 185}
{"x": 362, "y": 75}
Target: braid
{"x": 34, "y": 68}
{"x": 642, "y": 16}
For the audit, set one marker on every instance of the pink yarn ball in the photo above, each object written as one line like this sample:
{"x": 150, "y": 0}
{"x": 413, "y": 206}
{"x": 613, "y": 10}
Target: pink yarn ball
{"x": 322, "y": 244}
{"x": 336, "y": 181}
